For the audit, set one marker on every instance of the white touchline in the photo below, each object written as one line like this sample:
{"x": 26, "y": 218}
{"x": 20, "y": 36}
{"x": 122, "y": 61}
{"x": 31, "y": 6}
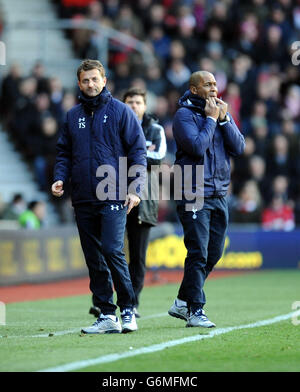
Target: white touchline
{"x": 158, "y": 347}
{"x": 69, "y": 331}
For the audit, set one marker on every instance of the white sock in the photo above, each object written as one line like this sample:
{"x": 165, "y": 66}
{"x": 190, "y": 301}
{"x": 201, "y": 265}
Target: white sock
{"x": 179, "y": 302}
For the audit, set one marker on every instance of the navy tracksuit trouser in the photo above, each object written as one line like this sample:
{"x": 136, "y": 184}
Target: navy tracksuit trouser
{"x": 101, "y": 230}
{"x": 204, "y": 238}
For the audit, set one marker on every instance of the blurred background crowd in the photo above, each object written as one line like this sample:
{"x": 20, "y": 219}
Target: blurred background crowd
{"x": 247, "y": 45}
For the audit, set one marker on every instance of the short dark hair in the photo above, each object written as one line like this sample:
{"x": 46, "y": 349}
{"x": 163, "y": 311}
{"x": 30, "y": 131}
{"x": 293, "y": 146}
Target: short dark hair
{"x": 197, "y": 77}
{"x": 89, "y": 64}
{"x": 17, "y": 197}
{"x": 31, "y": 206}
{"x": 134, "y": 91}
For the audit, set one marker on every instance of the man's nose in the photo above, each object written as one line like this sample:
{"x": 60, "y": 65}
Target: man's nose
{"x": 91, "y": 84}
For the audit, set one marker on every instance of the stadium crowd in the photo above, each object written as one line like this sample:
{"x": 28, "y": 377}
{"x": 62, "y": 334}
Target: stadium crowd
{"x": 247, "y": 45}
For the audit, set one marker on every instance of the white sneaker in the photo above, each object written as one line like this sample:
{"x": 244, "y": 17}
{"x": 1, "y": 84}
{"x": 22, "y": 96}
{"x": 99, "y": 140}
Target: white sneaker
{"x": 104, "y": 324}
{"x": 128, "y": 321}
{"x": 199, "y": 319}
{"x": 178, "y": 311}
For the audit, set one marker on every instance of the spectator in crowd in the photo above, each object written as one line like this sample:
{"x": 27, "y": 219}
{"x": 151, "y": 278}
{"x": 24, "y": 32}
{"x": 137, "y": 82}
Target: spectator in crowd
{"x": 272, "y": 49}
{"x": 178, "y": 74}
{"x": 45, "y": 155}
{"x": 39, "y": 74}
{"x": 280, "y": 187}
{"x": 15, "y": 208}
{"x": 33, "y": 217}
{"x": 257, "y": 172}
{"x": 240, "y": 170}
{"x": 156, "y": 83}
{"x": 248, "y": 206}
{"x": 279, "y": 158}
{"x": 278, "y": 215}
{"x": 10, "y": 92}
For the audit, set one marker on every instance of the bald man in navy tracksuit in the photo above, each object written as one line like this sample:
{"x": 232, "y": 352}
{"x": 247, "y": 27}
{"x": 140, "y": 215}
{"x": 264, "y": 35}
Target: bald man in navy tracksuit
{"x": 97, "y": 132}
{"x": 207, "y": 136}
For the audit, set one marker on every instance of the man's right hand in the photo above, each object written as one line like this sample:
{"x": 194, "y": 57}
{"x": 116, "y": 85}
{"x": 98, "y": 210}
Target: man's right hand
{"x": 211, "y": 109}
{"x": 57, "y": 188}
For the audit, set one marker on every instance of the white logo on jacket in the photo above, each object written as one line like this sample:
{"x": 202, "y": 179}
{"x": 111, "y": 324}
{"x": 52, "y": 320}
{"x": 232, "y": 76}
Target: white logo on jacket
{"x": 81, "y": 122}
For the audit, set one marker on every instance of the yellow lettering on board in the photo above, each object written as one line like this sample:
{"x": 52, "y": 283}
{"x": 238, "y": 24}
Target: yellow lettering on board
{"x": 8, "y": 266}
{"x": 239, "y": 260}
{"x": 56, "y": 260}
{"x": 31, "y": 257}
{"x": 76, "y": 256}
{"x": 170, "y": 252}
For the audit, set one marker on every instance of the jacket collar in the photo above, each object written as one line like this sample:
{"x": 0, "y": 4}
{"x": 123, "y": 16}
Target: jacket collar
{"x": 91, "y": 104}
{"x": 149, "y": 119}
{"x": 193, "y": 102}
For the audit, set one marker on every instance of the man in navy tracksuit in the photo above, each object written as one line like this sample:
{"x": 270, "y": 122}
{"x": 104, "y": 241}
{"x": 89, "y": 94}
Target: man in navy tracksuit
{"x": 206, "y": 135}
{"x": 144, "y": 216}
{"x": 96, "y": 134}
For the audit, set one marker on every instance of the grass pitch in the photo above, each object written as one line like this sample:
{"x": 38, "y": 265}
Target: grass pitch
{"x": 40, "y": 335}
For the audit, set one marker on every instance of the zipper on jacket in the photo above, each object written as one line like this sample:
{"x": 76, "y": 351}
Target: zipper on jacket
{"x": 91, "y": 153}
{"x": 215, "y": 164}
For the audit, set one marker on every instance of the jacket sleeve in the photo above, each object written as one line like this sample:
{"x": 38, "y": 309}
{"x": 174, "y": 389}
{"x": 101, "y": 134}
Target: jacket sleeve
{"x": 62, "y": 168}
{"x": 159, "y": 140}
{"x": 189, "y": 137}
{"x": 234, "y": 141}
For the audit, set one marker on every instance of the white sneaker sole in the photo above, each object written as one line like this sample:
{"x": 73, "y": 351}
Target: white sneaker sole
{"x": 100, "y": 332}
{"x": 201, "y": 325}
{"x": 177, "y": 315}
{"x": 127, "y": 329}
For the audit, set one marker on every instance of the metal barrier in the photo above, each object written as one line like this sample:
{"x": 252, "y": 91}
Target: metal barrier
{"x": 103, "y": 38}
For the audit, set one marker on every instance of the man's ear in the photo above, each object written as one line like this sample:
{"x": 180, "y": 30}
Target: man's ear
{"x": 193, "y": 90}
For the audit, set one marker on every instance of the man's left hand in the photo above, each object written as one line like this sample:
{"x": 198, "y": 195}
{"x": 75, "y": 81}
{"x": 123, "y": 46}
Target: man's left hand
{"x": 223, "y": 108}
{"x": 131, "y": 201}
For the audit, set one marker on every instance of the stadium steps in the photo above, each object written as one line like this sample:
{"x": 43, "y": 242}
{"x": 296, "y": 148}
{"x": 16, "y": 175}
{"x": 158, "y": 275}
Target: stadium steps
{"x": 26, "y": 45}
{"x": 16, "y": 177}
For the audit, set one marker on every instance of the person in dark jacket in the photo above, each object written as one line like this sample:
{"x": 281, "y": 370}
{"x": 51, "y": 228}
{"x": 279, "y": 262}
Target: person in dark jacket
{"x": 145, "y": 215}
{"x": 101, "y": 135}
{"x": 206, "y": 137}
